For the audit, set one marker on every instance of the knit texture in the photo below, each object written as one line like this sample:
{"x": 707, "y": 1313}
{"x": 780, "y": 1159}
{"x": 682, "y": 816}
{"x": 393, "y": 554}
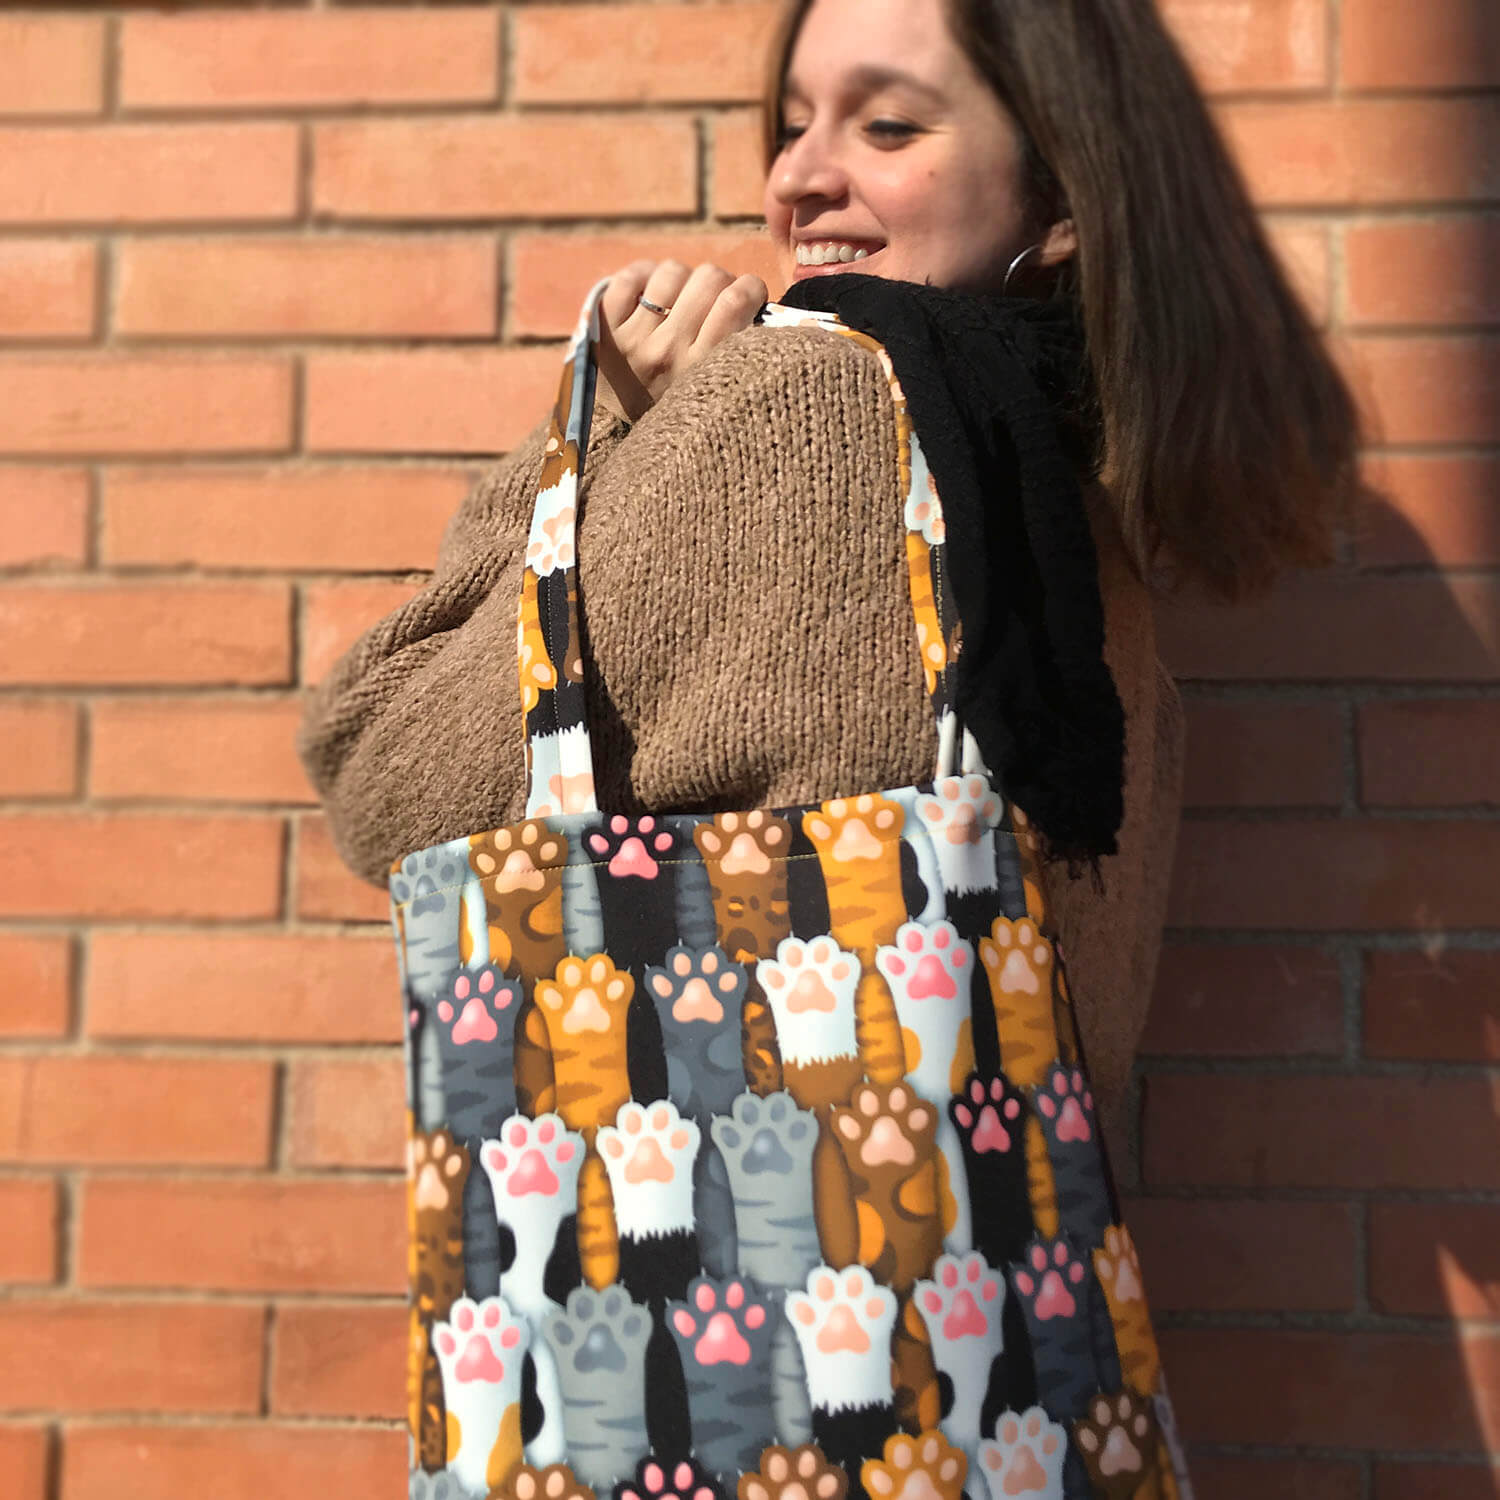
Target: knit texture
{"x": 739, "y": 549}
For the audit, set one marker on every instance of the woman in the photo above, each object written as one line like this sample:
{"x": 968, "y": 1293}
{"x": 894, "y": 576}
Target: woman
{"x": 742, "y": 569}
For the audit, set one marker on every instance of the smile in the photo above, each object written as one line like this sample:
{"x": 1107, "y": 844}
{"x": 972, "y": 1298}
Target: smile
{"x": 828, "y": 252}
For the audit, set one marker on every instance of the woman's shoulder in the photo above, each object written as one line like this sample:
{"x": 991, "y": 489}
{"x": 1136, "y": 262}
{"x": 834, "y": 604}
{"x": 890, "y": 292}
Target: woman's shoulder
{"x": 768, "y": 414}
{"x": 797, "y": 376}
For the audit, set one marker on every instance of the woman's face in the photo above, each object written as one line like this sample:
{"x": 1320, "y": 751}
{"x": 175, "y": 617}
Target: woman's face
{"x": 894, "y": 145}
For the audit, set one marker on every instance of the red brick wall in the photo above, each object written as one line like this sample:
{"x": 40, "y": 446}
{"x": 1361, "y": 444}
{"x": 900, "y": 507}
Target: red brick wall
{"x": 273, "y": 284}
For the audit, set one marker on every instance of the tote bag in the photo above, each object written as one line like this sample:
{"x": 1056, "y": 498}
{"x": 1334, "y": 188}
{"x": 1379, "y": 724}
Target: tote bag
{"x": 753, "y": 1154}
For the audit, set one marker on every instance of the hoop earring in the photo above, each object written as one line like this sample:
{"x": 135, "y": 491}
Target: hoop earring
{"x": 1015, "y": 266}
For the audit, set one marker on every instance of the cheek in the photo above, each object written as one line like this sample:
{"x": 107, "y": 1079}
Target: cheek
{"x": 779, "y": 227}
{"x": 778, "y": 215}
{"x": 903, "y": 199}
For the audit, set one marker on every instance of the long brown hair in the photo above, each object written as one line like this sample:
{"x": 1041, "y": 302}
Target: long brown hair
{"x": 1228, "y": 437}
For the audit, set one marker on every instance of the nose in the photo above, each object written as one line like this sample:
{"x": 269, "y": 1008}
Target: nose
{"x": 808, "y": 167}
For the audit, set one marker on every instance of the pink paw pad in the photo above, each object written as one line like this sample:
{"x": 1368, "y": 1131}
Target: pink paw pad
{"x": 524, "y": 1160}
{"x": 716, "y": 1322}
{"x": 479, "y": 999}
{"x": 630, "y": 856}
{"x": 684, "y": 1481}
{"x": 1050, "y": 1280}
{"x": 991, "y": 1114}
{"x": 1068, "y": 1105}
{"x": 964, "y": 1294}
{"x": 926, "y": 962}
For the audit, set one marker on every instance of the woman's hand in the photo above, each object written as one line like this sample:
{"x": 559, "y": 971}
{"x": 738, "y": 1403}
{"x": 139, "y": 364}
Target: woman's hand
{"x": 641, "y": 352}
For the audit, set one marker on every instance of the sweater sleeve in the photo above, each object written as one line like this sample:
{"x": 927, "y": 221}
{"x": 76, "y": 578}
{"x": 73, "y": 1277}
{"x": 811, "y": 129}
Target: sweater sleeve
{"x": 376, "y": 726}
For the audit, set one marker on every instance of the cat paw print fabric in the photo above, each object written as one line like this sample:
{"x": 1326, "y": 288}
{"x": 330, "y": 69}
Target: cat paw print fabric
{"x": 752, "y": 1152}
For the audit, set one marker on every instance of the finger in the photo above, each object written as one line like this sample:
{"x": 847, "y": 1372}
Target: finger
{"x": 625, "y": 285}
{"x": 734, "y": 308}
{"x": 695, "y": 300}
{"x": 663, "y": 288}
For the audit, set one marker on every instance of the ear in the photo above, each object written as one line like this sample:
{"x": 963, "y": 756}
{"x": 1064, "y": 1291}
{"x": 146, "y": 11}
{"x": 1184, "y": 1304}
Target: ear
{"x": 1060, "y": 243}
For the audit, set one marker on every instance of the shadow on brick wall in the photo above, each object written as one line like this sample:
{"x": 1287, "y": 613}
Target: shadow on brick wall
{"x": 1320, "y": 1158}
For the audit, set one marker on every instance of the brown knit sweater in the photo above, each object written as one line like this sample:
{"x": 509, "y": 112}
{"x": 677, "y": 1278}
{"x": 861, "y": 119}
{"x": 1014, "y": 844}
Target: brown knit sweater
{"x": 750, "y": 643}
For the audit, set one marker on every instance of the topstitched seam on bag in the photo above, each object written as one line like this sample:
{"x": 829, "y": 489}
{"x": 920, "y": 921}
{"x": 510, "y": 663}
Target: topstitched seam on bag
{"x": 600, "y": 864}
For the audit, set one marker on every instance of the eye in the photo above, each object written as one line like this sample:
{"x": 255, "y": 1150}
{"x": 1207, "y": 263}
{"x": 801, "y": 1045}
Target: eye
{"x": 891, "y": 129}
{"x": 788, "y": 134}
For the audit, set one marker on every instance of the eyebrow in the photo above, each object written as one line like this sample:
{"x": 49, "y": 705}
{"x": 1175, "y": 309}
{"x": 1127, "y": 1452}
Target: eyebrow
{"x": 871, "y": 77}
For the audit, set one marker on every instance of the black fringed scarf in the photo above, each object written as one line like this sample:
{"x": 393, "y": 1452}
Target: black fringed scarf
{"x": 997, "y": 389}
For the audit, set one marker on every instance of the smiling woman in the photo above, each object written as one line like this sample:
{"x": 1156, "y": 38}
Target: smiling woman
{"x": 725, "y": 773}
{"x": 964, "y": 132}
{"x": 889, "y": 140}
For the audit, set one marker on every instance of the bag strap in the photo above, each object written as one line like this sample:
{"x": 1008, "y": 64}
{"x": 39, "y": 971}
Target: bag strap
{"x": 559, "y": 754}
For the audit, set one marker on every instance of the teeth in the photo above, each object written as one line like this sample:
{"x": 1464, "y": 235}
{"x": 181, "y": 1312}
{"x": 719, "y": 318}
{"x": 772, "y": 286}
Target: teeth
{"x": 828, "y": 251}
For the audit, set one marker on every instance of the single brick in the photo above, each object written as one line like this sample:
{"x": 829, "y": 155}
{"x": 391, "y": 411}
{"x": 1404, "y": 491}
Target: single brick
{"x": 1382, "y": 1391}
{"x": 1435, "y": 1260}
{"x": 347, "y": 1112}
{"x": 1270, "y": 47}
{"x": 41, "y": 748}
{"x": 1473, "y": 1479}
{"x": 243, "y": 1234}
{"x": 1221, "y": 1001}
{"x": 148, "y": 174}
{"x": 444, "y": 401}
{"x": 1431, "y": 508}
{"x": 1432, "y": 272}
{"x": 74, "y": 1356}
{"x": 324, "y": 518}
{"x": 145, "y": 633}
{"x": 225, "y": 60}
{"x": 196, "y": 750}
{"x": 344, "y": 1361}
{"x": 505, "y": 167}
{"x": 35, "y": 980}
{"x": 149, "y": 403}
{"x": 160, "y": 1462}
{"x": 128, "y": 1110}
{"x": 1428, "y": 390}
{"x": 1263, "y": 754}
{"x": 1432, "y": 753}
{"x": 140, "y": 866}
{"x": 1438, "y": 1006}
{"x": 29, "y": 1246}
{"x": 201, "y": 986}
{"x": 323, "y": 286}
{"x": 44, "y": 516}
{"x": 1356, "y": 874}
{"x": 1419, "y": 44}
{"x": 1362, "y": 152}
{"x": 24, "y": 1464}
{"x": 1258, "y": 1478}
{"x": 641, "y": 54}
{"x": 1333, "y": 1131}
{"x": 46, "y": 286}
{"x": 51, "y": 65}
{"x": 1241, "y": 1255}
{"x": 1334, "y": 625}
